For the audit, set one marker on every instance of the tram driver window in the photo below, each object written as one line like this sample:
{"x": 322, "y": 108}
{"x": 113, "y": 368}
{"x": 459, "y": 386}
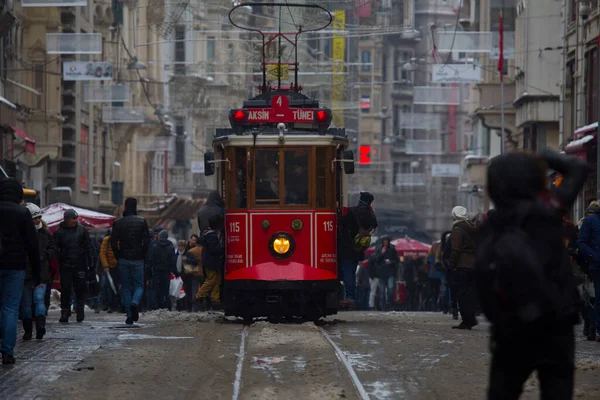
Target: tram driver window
{"x": 267, "y": 177}
{"x": 240, "y": 176}
{"x": 296, "y": 177}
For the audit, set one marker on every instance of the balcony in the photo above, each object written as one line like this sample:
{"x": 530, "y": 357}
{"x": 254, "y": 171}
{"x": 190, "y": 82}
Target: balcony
{"x": 106, "y": 93}
{"x": 460, "y": 41}
{"x": 403, "y": 88}
{"x": 123, "y": 115}
{"x": 74, "y": 43}
{"x": 425, "y": 121}
{"x": 423, "y": 146}
{"x": 436, "y": 95}
{"x": 414, "y": 179}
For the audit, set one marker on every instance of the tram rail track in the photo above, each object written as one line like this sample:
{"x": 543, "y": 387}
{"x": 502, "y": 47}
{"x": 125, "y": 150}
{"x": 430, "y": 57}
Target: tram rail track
{"x": 243, "y": 361}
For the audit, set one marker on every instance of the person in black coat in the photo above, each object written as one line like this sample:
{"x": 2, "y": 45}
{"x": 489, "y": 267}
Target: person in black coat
{"x": 130, "y": 241}
{"x": 214, "y": 205}
{"x": 76, "y": 259}
{"x": 524, "y": 278}
{"x": 18, "y": 242}
{"x": 386, "y": 262}
{"x": 163, "y": 262}
{"x": 355, "y": 228}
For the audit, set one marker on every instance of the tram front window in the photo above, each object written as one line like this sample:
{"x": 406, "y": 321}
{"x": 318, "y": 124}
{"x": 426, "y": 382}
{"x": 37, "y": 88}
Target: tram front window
{"x": 267, "y": 177}
{"x": 296, "y": 177}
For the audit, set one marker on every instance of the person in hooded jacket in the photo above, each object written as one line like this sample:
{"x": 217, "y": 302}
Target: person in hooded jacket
{"x": 385, "y": 260}
{"x": 163, "y": 261}
{"x": 462, "y": 264}
{"x": 588, "y": 243}
{"x": 19, "y": 242}
{"x": 583, "y": 260}
{"x": 214, "y": 205}
{"x": 76, "y": 259}
{"x": 35, "y": 294}
{"x": 524, "y": 278}
{"x": 130, "y": 241}
{"x": 355, "y": 228}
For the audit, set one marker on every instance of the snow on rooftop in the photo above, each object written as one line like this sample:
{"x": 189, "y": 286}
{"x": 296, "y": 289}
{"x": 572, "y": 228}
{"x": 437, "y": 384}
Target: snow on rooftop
{"x": 580, "y": 141}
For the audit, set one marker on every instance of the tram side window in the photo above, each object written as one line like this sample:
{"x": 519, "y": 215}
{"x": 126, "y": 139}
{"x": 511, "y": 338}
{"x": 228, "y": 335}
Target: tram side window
{"x": 267, "y": 177}
{"x": 241, "y": 165}
{"x": 321, "y": 171}
{"x": 296, "y": 176}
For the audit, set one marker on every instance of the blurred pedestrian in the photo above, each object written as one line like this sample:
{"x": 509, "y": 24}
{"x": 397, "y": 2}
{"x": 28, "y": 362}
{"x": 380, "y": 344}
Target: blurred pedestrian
{"x": 214, "y": 205}
{"x": 462, "y": 264}
{"x": 524, "y": 278}
{"x": 34, "y": 295}
{"x": 356, "y": 228}
{"x": 213, "y": 261}
{"x": 163, "y": 261}
{"x": 19, "y": 242}
{"x": 130, "y": 242}
{"x": 74, "y": 249}
{"x": 386, "y": 263}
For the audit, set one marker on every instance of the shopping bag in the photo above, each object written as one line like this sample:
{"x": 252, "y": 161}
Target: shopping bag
{"x": 175, "y": 286}
{"x": 111, "y": 282}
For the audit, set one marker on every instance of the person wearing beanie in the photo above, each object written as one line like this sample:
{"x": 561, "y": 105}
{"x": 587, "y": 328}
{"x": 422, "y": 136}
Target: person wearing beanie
{"x": 462, "y": 264}
{"x": 76, "y": 259}
{"x": 19, "y": 242}
{"x": 32, "y": 294}
{"x": 356, "y": 228}
{"x": 130, "y": 241}
{"x": 163, "y": 262}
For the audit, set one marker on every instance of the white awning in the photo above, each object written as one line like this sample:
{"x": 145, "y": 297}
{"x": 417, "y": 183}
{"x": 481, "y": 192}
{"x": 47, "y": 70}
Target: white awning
{"x": 8, "y": 103}
{"x": 580, "y": 141}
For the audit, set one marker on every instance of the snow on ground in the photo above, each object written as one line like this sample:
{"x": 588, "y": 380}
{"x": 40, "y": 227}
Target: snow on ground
{"x": 166, "y": 315}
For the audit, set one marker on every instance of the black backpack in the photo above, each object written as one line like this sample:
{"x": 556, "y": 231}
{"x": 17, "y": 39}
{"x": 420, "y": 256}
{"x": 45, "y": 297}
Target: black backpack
{"x": 512, "y": 280}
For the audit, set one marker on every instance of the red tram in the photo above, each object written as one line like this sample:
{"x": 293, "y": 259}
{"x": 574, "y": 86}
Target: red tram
{"x": 281, "y": 171}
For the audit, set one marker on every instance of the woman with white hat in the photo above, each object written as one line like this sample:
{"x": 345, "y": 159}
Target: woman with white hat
{"x": 34, "y": 295}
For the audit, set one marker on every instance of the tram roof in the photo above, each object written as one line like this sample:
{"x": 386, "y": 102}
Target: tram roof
{"x": 293, "y": 138}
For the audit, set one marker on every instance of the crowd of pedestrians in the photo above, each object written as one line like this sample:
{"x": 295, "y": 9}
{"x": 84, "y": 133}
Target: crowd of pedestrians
{"x": 128, "y": 270}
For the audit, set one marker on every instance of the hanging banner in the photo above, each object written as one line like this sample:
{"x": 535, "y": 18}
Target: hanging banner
{"x": 339, "y": 55}
{"x": 87, "y": 71}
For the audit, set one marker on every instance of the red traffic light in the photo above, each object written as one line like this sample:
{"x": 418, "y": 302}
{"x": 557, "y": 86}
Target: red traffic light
{"x": 239, "y": 116}
{"x": 365, "y": 155}
{"x": 322, "y": 116}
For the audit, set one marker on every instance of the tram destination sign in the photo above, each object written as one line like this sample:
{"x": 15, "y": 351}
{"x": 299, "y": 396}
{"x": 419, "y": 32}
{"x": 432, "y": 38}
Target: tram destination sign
{"x": 281, "y": 112}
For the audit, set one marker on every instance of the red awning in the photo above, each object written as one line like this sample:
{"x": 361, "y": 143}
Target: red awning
{"x": 29, "y": 142}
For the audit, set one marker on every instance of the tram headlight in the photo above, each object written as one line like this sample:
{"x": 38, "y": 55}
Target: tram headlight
{"x": 282, "y": 245}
